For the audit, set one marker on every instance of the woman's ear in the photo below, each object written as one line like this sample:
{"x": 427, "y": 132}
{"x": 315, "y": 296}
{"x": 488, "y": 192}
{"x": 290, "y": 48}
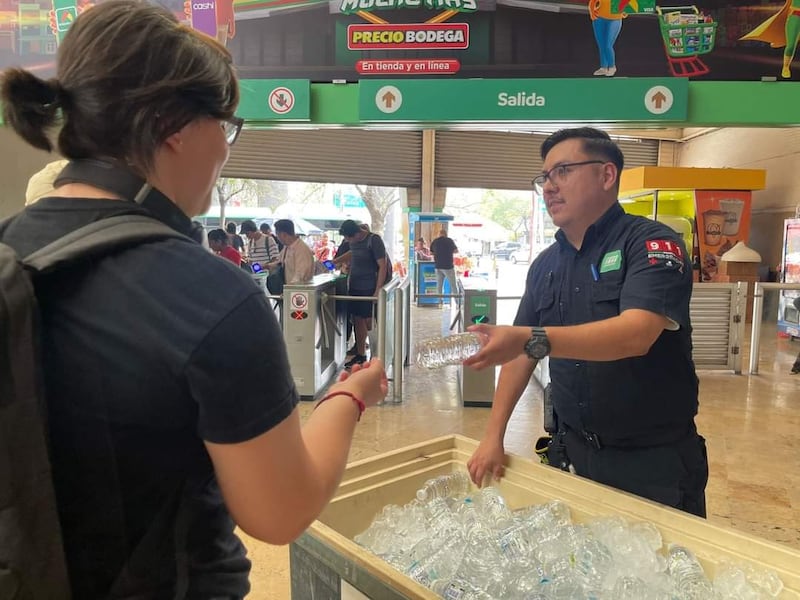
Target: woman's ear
{"x": 175, "y": 141}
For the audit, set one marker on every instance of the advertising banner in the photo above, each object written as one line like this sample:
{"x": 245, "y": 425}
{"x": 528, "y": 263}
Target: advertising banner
{"x": 723, "y": 218}
{"x": 350, "y": 40}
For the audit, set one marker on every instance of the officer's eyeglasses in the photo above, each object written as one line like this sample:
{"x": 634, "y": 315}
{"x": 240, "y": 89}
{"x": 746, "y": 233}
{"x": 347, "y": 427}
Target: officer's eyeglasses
{"x": 232, "y": 127}
{"x": 558, "y": 174}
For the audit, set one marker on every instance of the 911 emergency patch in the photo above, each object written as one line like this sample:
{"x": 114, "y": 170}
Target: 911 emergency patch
{"x": 666, "y": 253}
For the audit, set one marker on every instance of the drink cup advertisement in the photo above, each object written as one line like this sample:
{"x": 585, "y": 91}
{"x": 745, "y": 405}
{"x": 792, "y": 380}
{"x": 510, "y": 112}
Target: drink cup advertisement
{"x": 723, "y": 218}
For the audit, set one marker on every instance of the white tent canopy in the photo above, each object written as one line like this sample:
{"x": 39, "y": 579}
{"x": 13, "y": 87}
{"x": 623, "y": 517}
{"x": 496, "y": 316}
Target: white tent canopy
{"x": 476, "y": 227}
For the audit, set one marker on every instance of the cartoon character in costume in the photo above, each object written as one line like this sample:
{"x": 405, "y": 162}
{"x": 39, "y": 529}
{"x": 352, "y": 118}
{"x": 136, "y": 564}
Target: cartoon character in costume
{"x": 781, "y": 29}
{"x": 606, "y": 25}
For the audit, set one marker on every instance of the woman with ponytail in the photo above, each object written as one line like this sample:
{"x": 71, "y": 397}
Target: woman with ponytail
{"x": 162, "y": 438}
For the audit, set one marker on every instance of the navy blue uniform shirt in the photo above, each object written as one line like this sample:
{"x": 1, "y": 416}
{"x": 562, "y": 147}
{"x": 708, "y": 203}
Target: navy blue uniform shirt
{"x": 625, "y": 262}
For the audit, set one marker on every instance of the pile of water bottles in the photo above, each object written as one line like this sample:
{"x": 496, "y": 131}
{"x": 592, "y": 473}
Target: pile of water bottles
{"x": 471, "y": 546}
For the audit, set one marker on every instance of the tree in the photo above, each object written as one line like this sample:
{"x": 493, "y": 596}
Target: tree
{"x": 311, "y": 193}
{"x": 227, "y": 190}
{"x": 378, "y": 201}
{"x": 249, "y": 192}
{"x": 506, "y": 208}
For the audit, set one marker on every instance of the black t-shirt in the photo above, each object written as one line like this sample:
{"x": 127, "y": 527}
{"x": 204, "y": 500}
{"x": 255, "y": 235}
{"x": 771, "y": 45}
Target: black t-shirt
{"x": 363, "y": 262}
{"x": 443, "y": 249}
{"x": 144, "y": 358}
{"x": 625, "y": 262}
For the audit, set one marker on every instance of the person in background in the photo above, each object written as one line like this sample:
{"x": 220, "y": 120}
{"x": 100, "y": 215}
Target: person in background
{"x": 234, "y": 239}
{"x": 296, "y": 257}
{"x": 421, "y": 251}
{"x": 218, "y": 242}
{"x": 265, "y": 229}
{"x": 368, "y": 268}
{"x": 342, "y": 250}
{"x": 323, "y": 249}
{"x": 41, "y": 183}
{"x": 158, "y": 452}
{"x": 261, "y": 249}
{"x": 609, "y": 304}
{"x": 443, "y": 248}
{"x": 199, "y": 234}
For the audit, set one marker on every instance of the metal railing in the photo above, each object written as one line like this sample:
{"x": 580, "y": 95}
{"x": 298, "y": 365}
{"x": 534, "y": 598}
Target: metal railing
{"x": 758, "y": 310}
{"x": 390, "y": 342}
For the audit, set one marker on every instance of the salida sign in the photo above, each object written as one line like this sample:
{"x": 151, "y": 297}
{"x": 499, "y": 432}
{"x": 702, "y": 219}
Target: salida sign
{"x": 380, "y": 35}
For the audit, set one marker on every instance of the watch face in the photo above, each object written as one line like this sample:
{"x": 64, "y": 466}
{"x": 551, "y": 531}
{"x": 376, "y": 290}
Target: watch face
{"x": 537, "y": 347}
{"x": 538, "y": 350}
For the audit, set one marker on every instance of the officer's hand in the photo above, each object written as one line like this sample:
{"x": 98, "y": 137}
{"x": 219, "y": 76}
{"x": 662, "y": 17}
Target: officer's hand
{"x": 487, "y": 461}
{"x": 503, "y": 343}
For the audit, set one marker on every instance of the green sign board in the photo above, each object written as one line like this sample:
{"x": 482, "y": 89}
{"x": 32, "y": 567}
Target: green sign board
{"x": 479, "y": 308}
{"x": 275, "y": 99}
{"x": 598, "y": 99}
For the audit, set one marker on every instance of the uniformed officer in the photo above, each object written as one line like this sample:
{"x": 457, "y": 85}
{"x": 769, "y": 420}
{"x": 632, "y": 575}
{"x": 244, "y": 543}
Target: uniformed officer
{"x": 609, "y": 303}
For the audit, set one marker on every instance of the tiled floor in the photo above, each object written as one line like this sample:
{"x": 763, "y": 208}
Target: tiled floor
{"x": 751, "y": 423}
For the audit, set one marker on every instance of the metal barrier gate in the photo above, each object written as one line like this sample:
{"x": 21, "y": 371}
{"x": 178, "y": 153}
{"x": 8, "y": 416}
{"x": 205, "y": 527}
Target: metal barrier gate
{"x": 717, "y": 312}
{"x": 758, "y": 310}
{"x": 313, "y": 330}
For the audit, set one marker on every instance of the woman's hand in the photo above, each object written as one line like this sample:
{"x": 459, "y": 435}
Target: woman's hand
{"x": 367, "y": 381}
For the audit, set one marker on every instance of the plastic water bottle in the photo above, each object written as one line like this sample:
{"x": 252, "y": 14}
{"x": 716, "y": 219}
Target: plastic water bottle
{"x": 746, "y": 582}
{"x": 442, "y": 564}
{"x": 483, "y": 564}
{"x": 445, "y": 486}
{"x": 492, "y": 506}
{"x": 458, "y": 589}
{"x": 687, "y": 574}
{"x": 450, "y": 350}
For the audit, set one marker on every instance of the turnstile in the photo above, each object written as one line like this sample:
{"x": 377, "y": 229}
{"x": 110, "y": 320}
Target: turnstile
{"x": 480, "y": 306}
{"x": 314, "y": 330}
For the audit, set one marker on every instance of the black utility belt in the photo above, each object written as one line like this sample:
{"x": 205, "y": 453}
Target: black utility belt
{"x": 661, "y": 438}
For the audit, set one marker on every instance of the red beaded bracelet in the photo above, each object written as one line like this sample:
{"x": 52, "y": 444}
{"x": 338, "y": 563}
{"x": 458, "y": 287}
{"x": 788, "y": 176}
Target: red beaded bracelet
{"x": 361, "y": 406}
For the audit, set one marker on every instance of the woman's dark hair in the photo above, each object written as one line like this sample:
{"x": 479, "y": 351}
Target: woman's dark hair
{"x": 218, "y": 235}
{"x": 231, "y": 227}
{"x": 128, "y": 76}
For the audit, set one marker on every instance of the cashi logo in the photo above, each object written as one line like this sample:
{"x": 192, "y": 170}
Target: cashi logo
{"x": 203, "y": 6}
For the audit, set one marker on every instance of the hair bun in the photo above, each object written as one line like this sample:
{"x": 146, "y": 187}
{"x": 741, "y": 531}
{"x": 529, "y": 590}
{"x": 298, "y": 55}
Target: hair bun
{"x": 30, "y": 105}
{"x": 23, "y": 87}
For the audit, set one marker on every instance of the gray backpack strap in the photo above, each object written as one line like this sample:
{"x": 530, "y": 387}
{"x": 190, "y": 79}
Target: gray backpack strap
{"x": 32, "y": 563}
{"x": 100, "y": 237}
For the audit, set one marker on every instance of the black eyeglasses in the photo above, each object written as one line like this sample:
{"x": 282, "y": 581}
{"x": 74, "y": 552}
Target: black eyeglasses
{"x": 232, "y": 128}
{"x": 558, "y": 174}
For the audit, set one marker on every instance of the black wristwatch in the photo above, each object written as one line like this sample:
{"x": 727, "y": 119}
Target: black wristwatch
{"x": 538, "y": 346}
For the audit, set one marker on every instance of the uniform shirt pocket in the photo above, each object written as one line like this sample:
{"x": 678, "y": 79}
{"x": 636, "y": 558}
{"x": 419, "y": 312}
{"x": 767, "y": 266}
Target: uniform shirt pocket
{"x": 546, "y": 308}
{"x": 605, "y": 299}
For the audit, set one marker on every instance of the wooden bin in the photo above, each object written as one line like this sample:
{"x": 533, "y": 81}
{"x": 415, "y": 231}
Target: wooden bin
{"x": 327, "y": 565}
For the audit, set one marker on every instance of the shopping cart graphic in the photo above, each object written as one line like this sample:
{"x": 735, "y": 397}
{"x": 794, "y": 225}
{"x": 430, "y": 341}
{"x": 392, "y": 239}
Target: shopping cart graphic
{"x": 686, "y": 35}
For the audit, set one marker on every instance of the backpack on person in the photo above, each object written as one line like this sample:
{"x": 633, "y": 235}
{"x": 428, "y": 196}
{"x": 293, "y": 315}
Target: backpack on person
{"x": 271, "y": 246}
{"x": 32, "y": 561}
{"x": 386, "y": 256}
